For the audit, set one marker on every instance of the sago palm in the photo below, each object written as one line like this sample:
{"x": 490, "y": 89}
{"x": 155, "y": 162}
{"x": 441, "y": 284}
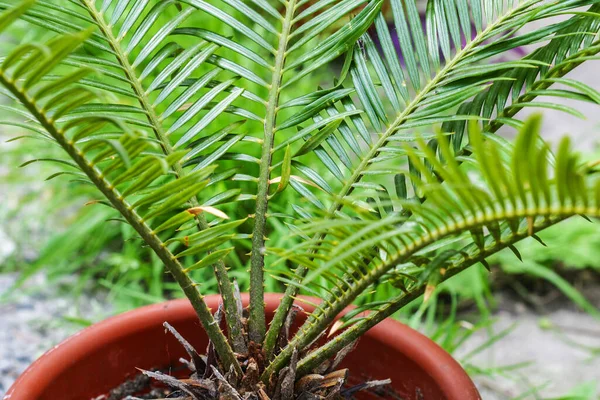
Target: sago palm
{"x": 191, "y": 116}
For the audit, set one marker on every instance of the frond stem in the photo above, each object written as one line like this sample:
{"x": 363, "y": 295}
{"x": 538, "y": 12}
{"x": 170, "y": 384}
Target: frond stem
{"x": 256, "y": 320}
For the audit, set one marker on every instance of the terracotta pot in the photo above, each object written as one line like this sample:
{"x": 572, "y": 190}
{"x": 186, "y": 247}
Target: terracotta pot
{"x": 104, "y": 355}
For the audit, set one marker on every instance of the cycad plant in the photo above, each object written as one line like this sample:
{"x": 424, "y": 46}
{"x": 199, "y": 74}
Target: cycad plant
{"x": 191, "y": 118}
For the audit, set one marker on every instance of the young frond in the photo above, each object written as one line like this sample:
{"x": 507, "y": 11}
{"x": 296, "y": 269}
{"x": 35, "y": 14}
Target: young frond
{"x": 498, "y": 195}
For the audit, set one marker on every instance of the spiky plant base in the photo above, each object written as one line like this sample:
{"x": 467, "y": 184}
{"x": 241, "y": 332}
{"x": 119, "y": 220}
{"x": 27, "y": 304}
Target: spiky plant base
{"x": 208, "y": 380}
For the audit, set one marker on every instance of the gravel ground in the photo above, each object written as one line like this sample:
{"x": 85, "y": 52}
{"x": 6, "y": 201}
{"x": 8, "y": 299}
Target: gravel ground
{"x": 33, "y": 321}
{"x": 559, "y": 350}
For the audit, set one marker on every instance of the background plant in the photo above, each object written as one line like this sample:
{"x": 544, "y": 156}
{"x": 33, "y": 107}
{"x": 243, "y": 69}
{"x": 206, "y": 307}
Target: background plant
{"x": 358, "y": 126}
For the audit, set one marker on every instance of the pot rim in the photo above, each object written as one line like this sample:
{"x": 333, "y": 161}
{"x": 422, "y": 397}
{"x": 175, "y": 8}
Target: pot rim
{"x": 444, "y": 370}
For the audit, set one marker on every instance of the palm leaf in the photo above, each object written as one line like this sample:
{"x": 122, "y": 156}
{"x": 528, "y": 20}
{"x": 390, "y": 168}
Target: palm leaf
{"x": 465, "y": 82}
{"x": 123, "y": 167}
{"x": 514, "y": 195}
{"x": 148, "y": 58}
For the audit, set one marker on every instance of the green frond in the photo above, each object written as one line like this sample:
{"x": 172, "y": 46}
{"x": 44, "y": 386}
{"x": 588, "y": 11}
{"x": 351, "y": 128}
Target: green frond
{"x": 509, "y": 192}
{"x": 466, "y": 82}
{"x": 123, "y": 168}
{"x": 443, "y": 86}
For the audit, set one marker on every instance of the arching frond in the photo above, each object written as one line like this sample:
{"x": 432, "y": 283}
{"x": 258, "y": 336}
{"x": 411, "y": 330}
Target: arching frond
{"x": 116, "y": 158}
{"x": 410, "y": 77}
{"x": 499, "y": 194}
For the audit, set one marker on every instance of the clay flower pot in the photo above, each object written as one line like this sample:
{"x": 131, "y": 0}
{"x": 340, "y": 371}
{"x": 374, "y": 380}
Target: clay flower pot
{"x": 99, "y": 358}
